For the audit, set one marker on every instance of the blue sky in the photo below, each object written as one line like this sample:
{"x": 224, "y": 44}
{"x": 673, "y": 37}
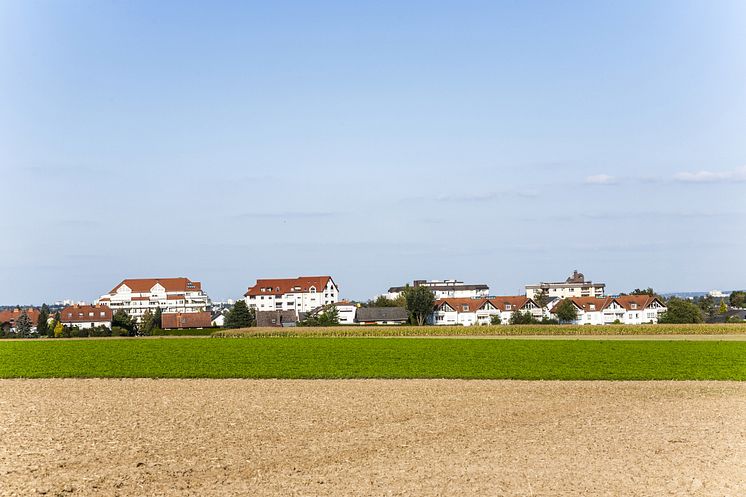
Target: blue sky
{"x": 497, "y": 142}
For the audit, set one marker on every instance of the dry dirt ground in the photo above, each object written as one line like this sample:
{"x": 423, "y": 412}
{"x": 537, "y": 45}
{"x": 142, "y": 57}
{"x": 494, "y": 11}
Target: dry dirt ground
{"x": 380, "y": 437}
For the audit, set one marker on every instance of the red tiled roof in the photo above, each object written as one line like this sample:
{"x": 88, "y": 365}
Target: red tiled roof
{"x": 642, "y": 301}
{"x": 457, "y": 304}
{"x": 515, "y": 302}
{"x": 171, "y": 320}
{"x": 287, "y": 285}
{"x": 143, "y": 285}
{"x": 175, "y": 297}
{"x": 13, "y": 314}
{"x": 81, "y": 313}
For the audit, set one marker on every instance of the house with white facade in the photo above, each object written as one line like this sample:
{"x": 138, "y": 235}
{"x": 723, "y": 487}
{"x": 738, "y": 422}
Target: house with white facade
{"x": 506, "y": 305}
{"x": 574, "y": 286}
{"x": 443, "y": 289}
{"x": 626, "y": 309}
{"x": 86, "y": 316}
{"x": 346, "y": 312}
{"x": 302, "y": 294}
{"x": 173, "y": 295}
{"x": 468, "y": 312}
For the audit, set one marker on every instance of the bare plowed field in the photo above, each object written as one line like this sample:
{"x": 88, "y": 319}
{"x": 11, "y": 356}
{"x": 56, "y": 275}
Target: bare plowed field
{"x": 371, "y": 437}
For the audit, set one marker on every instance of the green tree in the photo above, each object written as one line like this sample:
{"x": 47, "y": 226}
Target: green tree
{"x": 23, "y": 325}
{"x": 496, "y": 319}
{"x": 541, "y": 297}
{"x": 123, "y": 320}
{"x": 157, "y": 319}
{"x": 723, "y": 307}
{"x": 42, "y": 328}
{"x": 517, "y": 317}
{"x": 147, "y": 324}
{"x": 59, "y": 329}
{"x": 325, "y": 316}
{"x": 383, "y": 301}
{"x": 420, "y": 301}
{"x": 681, "y": 311}
{"x": 646, "y": 291}
{"x": 706, "y": 304}
{"x": 239, "y": 316}
{"x": 738, "y": 299}
{"x": 566, "y": 311}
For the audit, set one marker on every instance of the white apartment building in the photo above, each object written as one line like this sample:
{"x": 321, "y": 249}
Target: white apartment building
{"x": 444, "y": 289}
{"x": 626, "y": 309}
{"x": 138, "y": 295}
{"x": 574, "y": 286}
{"x": 301, "y": 294}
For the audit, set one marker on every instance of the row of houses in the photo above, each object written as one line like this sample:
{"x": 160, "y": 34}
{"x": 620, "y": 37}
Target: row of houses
{"x": 284, "y": 301}
{"x": 627, "y": 309}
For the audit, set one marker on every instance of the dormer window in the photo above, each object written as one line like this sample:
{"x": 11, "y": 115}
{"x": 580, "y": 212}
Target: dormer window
{"x": 312, "y": 289}
{"x": 465, "y": 307}
{"x": 507, "y": 307}
{"x": 633, "y": 306}
{"x": 593, "y": 307}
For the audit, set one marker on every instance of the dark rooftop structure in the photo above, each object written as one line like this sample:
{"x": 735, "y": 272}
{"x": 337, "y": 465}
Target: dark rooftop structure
{"x": 381, "y": 315}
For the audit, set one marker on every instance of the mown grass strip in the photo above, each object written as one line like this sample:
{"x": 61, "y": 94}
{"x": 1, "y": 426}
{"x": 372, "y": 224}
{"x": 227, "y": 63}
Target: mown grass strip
{"x": 383, "y": 358}
{"x": 492, "y": 330}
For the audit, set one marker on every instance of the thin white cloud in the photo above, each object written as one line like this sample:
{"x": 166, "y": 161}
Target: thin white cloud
{"x": 732, "y": 175}
{"x": 600, "y": 179}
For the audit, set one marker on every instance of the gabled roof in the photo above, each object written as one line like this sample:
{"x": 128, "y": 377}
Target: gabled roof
{"x": 457, "y": 304}
{"x": 173, "y": 320}
{"x": 143, "y": 285}
{"x": 591, "y": 304}
{"x": 515, "y": 302}
{"x": 81, "y": 313}
{"x": 641, "y": 301}
{"x": 12, "y": 315}
{"x": 281, "y": 286}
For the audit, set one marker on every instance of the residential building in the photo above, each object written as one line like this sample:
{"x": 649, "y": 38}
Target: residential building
{"x": 506, "y": 305}
{"x": 173, "y": 295}
{"x": 302, "y": 294}
{"x": 443, "y": 289}
{"x": 381, "y": 316}
{"x": 86, "y": 316}
{"x": 573, "y": 286}
{"x": 626, "y": 309}
{"x": 9, "y": 317}
{"x": 346, "y": 312}
{"x": 183, "y": 320}
{"x": 277, "y": 318}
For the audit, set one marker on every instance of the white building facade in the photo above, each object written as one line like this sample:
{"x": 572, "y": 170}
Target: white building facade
{"x": 625, "y": 309}
{"x": 574, "y": 286}
{"x": 469, "y": 312}
{"x": 444, "y": 289}
{"x": 302, "y": 294}
{"x": 137, "y": 296}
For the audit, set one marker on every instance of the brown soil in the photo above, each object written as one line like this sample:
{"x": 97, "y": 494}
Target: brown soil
{"x": 381, "y": 437}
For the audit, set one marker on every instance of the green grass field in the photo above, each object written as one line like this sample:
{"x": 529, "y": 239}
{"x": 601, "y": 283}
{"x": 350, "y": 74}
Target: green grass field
{"x": 375, "y": 358}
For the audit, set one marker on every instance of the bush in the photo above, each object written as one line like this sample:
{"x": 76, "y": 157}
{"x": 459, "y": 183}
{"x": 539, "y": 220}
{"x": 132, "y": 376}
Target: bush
{"x": 118, "y": 331}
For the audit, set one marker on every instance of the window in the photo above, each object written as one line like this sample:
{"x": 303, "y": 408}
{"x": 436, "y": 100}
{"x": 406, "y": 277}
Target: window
{"x": 507, "y": 307}
{"x": 465, "y": 307}
{"x": 593, "y": 307}
{"x": 633, "y": 306}
{"x": 312, "y": 289}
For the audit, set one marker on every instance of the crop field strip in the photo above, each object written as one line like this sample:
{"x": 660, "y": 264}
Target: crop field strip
{"x": 492, "y": 330}
{"x": 318, "y": 358}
